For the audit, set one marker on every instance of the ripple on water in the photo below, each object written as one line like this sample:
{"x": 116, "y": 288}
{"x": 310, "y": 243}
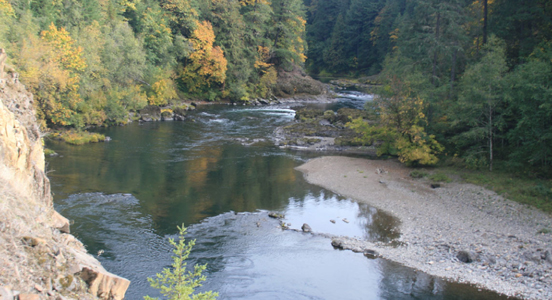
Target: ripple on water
{"x": 248, "y": 255}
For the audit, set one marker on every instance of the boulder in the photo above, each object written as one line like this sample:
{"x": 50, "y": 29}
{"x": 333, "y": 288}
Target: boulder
{"x": 338, "y": 243}
{"x": 466, "y": 256}
{"x": 60, "y": 222}
{"x": 104, "y": 284}
{"x": 167, "y": 116}
{"x": 180, "y": 113}
{"x": 150, "y": 113}
{"x": 371, "y": 254}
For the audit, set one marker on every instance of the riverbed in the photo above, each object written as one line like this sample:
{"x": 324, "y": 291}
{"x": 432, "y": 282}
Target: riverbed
{"x": 219, "y": 173}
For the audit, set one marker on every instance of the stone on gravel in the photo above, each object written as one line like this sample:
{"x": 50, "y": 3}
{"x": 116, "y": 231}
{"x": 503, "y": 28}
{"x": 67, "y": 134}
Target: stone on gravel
{"x": 466, "y": 256}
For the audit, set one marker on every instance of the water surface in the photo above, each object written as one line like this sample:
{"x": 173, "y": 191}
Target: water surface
{"x": 217, "y": 173}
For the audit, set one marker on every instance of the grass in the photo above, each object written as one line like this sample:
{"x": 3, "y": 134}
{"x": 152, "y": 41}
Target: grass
{"x": 75, "y": 137}
{"x": 418, "y": 174}
{"x": 439, "y": 177}
{"x": 521, "y": 188}
{"x": 49, "y": 152}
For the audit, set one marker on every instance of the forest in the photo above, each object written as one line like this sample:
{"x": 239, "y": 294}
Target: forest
{"x": 91, "y": 62}
{"x": 467, "y": 79}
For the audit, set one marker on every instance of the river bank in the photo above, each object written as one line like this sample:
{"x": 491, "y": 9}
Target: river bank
{"x": 440, "y": 227}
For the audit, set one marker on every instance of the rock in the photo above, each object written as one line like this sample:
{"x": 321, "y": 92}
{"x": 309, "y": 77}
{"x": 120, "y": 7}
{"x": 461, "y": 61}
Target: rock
{"x": 180, "y": 113}
{"x": 6, "y": 293}
{"x": 371, "y": 254}
{"x": 107, "y": 139}
{"x": 167, "y": 116}
{"x": 337, "y": 243}
{"x": 104, "y": 284}
{"x": 435, "y": 185}
{"x": 150, "y": 113}
{"x": 466, "y": 256}
{"x": 33, "y": 241}
{"x": 306, "y": 228}
{"x": 333, "y": 221}
{"x": 531, "y": 256}
{"x": 324, "y": 122}
{"x": 275, "y": 215}
{"x": 345, "y": 220}
{"x": 547, "y": 256}
{"x": 60, "y": 222}
{"x": 29, "y": 297}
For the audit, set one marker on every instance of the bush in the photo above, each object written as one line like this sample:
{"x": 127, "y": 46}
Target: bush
{"x": 175, "y": 283}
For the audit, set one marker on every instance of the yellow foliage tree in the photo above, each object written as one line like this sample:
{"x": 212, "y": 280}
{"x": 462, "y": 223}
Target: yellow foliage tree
{"x": 207, "y": 64}
{"x": 399, "y": 129}
{"x": 50, "y": 66}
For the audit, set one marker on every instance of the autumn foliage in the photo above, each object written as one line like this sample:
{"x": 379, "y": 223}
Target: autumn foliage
{"x": 207, "y": 65}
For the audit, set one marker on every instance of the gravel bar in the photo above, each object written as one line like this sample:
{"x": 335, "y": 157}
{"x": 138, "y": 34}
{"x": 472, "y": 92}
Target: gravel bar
{"x": 461, "y": 232}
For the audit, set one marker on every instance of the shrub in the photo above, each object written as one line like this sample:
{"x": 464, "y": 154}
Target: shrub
{"x": 75, "y": 137}
{"x": 175, "y": 283}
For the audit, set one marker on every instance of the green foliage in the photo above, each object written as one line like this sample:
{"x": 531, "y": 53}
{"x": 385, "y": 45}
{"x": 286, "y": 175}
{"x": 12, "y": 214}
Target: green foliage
{"x": 76, "y": 137}
{"x": 399, "y": 128}
{"x": 439, "y": 177}
{"x": 418, "y": 174}
{"x": 522, "y": 187}
{"x": 91, "y": 62}
{"x": 177, "y": 283}
{"x": 480, "y": 107}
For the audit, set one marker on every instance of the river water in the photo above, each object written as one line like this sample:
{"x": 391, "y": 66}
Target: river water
{"x": 218, "y": 173}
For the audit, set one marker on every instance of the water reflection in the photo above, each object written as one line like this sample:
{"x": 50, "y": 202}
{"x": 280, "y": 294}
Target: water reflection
{"x": 127, "y": 196}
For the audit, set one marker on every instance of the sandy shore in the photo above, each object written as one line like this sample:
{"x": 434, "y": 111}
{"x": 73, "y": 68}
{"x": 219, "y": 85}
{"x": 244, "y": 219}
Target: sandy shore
{"x": 502, "y": 237}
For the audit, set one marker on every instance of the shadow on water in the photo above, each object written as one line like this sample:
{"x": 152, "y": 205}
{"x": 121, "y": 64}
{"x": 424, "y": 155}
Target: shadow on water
{"x": 127, "y": 197}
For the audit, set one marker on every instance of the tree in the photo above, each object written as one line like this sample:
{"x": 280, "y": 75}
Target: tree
{"x": 176, "y": 283}
{"x": 399, "y": 125}
{"x": 481, "y": 101}
{"x": 530, "y": 108}
{"x": 288, "y": 33}
{"x": 207, "y": 64}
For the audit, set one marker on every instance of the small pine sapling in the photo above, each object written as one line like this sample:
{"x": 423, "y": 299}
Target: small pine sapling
{"x": 176, "y": 283}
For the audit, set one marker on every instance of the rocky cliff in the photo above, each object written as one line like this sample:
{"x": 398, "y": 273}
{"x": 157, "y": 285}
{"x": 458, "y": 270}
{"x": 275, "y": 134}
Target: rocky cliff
{"x": 39, "y": 259}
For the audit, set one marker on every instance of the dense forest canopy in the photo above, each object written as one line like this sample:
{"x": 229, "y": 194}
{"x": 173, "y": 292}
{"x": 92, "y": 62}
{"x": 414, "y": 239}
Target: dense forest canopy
{"x": 481, "y": 70}
{"x": 90, "y": 62}
{"x": 459, "y": 77}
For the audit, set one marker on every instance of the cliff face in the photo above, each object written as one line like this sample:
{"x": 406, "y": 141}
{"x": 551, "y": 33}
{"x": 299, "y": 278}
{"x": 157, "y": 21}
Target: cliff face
{"x": 38, "y": 256}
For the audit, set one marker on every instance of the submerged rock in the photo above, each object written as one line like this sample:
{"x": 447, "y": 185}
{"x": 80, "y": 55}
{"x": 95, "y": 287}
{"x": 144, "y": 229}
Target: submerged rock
{"x": 306, "y": 228}
{"x": 276, "y": 215}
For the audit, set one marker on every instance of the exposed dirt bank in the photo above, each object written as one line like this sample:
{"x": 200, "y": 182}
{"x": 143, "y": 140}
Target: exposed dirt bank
{"x": 443, "y": 227}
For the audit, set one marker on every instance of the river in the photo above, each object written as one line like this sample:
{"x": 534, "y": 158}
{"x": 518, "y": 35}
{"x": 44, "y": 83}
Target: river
{"x": 218, "y": 173}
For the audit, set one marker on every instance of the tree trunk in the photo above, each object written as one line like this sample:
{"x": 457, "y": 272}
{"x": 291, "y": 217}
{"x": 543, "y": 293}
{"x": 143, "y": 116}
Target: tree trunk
{"x": 490, "y": 136}
{"x": 453, "y": 70}
{"x": 485, "y": 20}
{"x": 435, "y": 51}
